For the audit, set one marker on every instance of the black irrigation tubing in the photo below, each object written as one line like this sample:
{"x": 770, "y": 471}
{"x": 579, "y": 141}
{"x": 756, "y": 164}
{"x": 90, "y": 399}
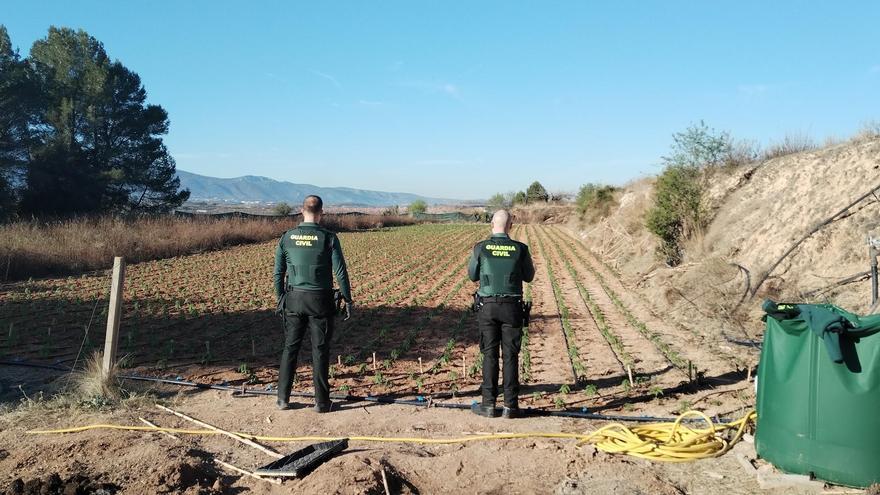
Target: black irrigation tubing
{"x": 377, "y": 399}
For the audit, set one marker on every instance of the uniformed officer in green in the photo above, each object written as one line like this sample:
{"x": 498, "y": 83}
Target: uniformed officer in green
{"x": 306, "y": 259}
{"x": 501, "y": 265}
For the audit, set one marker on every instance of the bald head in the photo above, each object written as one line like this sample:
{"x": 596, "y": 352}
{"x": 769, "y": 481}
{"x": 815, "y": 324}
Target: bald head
{"x": 501, "y": 222}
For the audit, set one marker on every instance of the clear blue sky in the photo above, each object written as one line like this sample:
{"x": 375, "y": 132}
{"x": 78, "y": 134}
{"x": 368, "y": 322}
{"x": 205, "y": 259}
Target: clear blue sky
{"x": 462, "y": 99}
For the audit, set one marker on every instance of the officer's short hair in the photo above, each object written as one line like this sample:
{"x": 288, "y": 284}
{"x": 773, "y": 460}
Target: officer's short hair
{"x": 313, "y": 204}
{"x": 501, "y": 218}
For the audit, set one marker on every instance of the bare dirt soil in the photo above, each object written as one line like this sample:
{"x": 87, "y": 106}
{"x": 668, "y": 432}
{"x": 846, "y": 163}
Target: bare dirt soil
{"x": 145, "y": 462}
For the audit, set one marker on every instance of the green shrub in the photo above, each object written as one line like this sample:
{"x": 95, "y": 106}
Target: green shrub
{"x": 519, "y": 198}
{"x": 497, "y": 202}
{"x": 282, "y": 209}
{"x": 700, "y": 146}
{"x": 536, "y": 192}
{"x": 417, "y": 207}
{"x": 678, "y": 211}
{"x": 595, "y": 201}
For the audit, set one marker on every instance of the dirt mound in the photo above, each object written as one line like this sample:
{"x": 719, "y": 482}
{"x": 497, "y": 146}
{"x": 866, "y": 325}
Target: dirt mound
{"x": 355, "y": 474}
{"x": 186, "y": 476}
{"x": 77, "y": 484}
{"x": 543, "y": 213}
{"x": 621, "y": 237}
{"x": 80, "y": 466}
{"x": 620, "y": 478}
{"x": 783, "y": 200}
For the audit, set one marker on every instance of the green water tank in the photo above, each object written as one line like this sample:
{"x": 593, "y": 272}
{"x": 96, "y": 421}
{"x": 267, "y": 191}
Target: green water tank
{"x": 819, "y": 393}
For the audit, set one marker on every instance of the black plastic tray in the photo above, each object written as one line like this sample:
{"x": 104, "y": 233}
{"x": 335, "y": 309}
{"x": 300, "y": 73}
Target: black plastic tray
{"x": 303, "y": 461}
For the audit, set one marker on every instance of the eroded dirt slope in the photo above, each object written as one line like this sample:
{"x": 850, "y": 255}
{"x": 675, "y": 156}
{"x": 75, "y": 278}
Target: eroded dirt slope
{"x": 758, "y": 212}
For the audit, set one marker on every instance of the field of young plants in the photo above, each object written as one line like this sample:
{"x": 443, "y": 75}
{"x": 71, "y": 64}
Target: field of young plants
{"x": 593, "y": 344}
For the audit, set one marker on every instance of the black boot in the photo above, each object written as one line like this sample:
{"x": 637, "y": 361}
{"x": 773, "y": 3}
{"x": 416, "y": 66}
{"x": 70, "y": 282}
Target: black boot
{"x": 324, "y": 408}
{"x": 487, "y": 411}
{"x": 511, "y": 413}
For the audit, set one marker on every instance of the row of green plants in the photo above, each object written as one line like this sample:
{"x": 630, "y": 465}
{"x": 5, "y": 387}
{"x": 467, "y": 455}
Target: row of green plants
{"x": 525, "y": 352}
{"x": 736, "y": 360}
{"x": 577, "y": 365}
{"x": 371, "y": 253}
{"x": 419, "y": 275}
{"x": 409, "y": 340}
{"x": 447, "y": 355}
{"x": 389, "y": 281}
{"x": 608, "y": 334}
{"x": 671, "y": 354}
{"x": 439, "y": 266}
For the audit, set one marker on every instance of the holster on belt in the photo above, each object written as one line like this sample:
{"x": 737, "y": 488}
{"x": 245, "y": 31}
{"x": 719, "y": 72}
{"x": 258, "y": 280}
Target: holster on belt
{"x": 477, "y": 304}
{"x": 527, "y": 312}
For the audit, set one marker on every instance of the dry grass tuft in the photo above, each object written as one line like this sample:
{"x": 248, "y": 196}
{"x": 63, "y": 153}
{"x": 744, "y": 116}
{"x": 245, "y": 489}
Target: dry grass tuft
{"x": 870, "y": 131}
{"x": 93, "y": 384}
{"x": 790, "y": 144}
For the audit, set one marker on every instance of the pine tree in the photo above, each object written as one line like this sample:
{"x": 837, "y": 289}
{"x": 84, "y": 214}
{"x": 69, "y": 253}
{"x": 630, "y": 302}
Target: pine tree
{"x": 17, "y": 110}
{"x": 536, "y": 192}
{"x": 98, "y": 145}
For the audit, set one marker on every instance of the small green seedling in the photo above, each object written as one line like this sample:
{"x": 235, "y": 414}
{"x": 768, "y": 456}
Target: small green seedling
{"x": 656, "y": 391}
{"x": 559, "y": 402}
{"x": 590, "y": 390}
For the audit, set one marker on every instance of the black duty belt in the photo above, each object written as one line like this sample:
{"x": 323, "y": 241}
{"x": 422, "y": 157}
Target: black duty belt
{"x": 325, "y": 292}
{"x": 501, "y": 299}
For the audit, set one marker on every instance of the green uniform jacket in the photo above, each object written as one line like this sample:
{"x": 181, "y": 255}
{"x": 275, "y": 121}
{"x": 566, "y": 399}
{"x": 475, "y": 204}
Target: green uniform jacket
{"x": 307, "y": 257}
{"x": 501, "y": 265}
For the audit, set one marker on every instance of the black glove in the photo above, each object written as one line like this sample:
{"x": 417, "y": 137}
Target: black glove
{"x": 348, "y": 306}
{"x": 279, "y": 307}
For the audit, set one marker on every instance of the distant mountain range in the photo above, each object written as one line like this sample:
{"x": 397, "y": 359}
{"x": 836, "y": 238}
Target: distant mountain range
{"x": 255, "y": 189}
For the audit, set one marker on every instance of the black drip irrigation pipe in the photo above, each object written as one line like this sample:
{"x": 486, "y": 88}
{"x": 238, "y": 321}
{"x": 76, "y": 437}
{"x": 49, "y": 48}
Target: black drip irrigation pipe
{"x": 420, "y": 402}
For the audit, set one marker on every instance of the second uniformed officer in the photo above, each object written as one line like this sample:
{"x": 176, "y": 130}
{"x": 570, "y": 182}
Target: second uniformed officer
{"x": 306, "y": 259}
{"x": 501, "y": 265}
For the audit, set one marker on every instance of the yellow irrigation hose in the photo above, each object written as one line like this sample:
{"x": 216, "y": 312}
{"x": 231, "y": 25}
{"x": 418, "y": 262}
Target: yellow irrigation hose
{"x": 668, "y": 442}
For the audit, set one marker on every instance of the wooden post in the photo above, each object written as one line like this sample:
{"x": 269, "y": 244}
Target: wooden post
{"x": 421, "y": 370}
{"x": 114, "y": 314}
{"x": 339, "y": 360}
{"x": 629, "y": 373}
{"x": 374, "y": 362}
